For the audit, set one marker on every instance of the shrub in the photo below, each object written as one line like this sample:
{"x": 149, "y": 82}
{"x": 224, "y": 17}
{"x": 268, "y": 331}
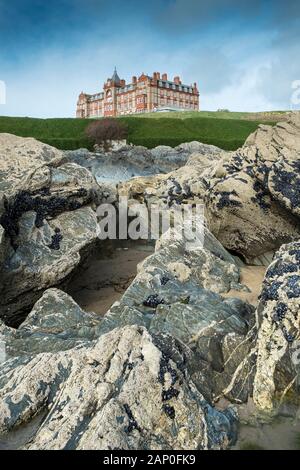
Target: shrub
{"x": 101, "y": 132}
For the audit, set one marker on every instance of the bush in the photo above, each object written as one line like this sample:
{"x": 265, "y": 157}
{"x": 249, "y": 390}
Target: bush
{"x": 103, "y": 131}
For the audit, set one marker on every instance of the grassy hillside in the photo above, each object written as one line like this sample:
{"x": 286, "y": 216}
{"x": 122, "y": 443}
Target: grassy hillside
{"x": 226, "y": 130}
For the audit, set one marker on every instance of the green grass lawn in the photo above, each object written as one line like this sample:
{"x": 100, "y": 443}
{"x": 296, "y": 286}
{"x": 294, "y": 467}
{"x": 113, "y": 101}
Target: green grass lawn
{"x": 225, "y": 130}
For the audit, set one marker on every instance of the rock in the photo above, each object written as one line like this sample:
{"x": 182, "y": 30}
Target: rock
{"x": 186, "y": 303}
{"x": 128, "y": 390}
{"x": 56, "y": 323}
{"x": 252, "y": 196}
{"x": 36, "y": 265}
{"x": 277, "y": 376}
{"x": 137, "y": 161}
{"x": 269, "y": 374}
{"x": 182, "y": 185}
{"x": 47, "y": 223}
{"x": 25, "y": 164}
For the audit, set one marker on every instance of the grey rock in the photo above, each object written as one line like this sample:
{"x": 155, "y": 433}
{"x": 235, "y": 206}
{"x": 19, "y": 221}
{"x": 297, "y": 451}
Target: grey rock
{"x": 252, "y": 196}
{"x": 270, "y": 372}
{"x": 46, "y": 218}
{"x": 56, "y": 323}
{"x": 34, "y": 266}
{"x": 125, "y": 391}
{"x": 177, "y": 291}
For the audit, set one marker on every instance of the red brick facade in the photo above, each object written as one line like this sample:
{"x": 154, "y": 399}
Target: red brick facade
{"x": 143, "y": 94}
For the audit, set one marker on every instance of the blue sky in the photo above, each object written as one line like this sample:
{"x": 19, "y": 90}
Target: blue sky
{"x": 244, "y": 55}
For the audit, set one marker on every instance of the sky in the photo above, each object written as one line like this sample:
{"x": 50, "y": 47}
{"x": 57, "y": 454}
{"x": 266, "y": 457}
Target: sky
{"x": 243, "y": 55}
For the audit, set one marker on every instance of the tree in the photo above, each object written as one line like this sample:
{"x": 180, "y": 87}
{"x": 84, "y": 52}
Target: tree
{"x": 103, "y": 131}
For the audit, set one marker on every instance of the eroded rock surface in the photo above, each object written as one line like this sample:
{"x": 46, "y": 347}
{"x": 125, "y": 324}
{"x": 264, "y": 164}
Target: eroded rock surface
{"x": 131, "y": 161}
{"x": 56, "y": 323}
{"x": 177, "y": 291}
{"x": 125, "y": 391}
{"x": 253, "y": 194}
{"x": 47, "y": 221}
{"x": 269, "y": 373}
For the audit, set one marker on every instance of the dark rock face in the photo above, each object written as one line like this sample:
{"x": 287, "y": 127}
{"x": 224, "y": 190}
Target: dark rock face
{"x": 253, "y": 196}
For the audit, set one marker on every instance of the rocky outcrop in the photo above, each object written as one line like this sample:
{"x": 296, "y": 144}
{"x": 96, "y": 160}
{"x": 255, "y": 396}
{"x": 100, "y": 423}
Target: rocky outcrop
{"x": 253, "y": 194}
{"x": 56, "y": 323}
{"x": 277, "y": 376}
{"x": 270, "y": 372}
{"x": 178, "y": 291}
{"x": 151, "y": 371}
{"x": 46, "y": 220}
{"x": 25, "y": 164}
{"x": 129, "y": 390}
{"x": 137, "y": 161}
{"x": 185, "y": 184}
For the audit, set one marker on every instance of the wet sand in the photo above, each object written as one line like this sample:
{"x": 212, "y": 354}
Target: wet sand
{"x": 107, "y": 274}
{"x": 252, "y": 277}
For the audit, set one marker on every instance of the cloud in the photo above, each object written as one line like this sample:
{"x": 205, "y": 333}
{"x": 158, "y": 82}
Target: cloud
{"x": 244, "y": 55}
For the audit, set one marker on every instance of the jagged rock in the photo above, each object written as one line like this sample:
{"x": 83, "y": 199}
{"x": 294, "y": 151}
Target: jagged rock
{"x": 34, "y": 265}
{"x": 270, "y": 372}
{"x": 25, "y": 164}
{"x": 277, "y": 375}
{"x": 56, "y": 323}
{"x": 177, "y": 291}
{"x": 181, "y": 185}
{"x": 46, "y": 221}
{"x": 128, "y": 390}
{"x": 253, "y": 194}
{"x": 137, "y": 161}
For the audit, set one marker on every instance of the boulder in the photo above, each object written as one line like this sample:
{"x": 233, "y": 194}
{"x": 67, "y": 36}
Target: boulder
{"x": 253, "y": 194}
{"x": 277, "y": 377}
{"x": 178, "y": 291}
{"x": 137, "y": 161}
{"x": 25, "y": 164}
{"x": 56, "y": 323}
{"x": 47, "y": 223}
{"x": 128, "y": 390}
{"x": 270, "y": 373}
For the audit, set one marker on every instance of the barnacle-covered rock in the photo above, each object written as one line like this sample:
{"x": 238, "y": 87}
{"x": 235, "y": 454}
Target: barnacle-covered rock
{"x": 190, "y": 307}
{"x": 46, "y": 219}
{"x": 277, "y": 375}
{"x": 35, "y": 266}
{"x": 128, "y": 390}
{"x": 253, "y": 194}
{"x": 270, "y": 372}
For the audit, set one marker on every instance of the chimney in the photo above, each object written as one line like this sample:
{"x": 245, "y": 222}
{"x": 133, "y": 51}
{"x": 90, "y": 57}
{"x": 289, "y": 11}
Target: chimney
{"x": 158, "y": 75}
{"x": 165, "y": 77}
{"x": 154, "y": 75}
{"x": 177, "y": 80}
{"x": 134, "y": 80}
